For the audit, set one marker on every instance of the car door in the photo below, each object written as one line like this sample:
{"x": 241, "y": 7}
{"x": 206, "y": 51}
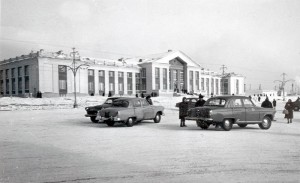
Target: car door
{"x": 252, "y": 113}
{"x": 238, "y": 110}
{"x": 138, "y": 110}
{"x": 148, "y": 110}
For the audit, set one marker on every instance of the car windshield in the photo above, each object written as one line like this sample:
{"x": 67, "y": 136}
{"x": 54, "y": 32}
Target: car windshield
{"x": 120, "y": 103}
{"x": 109, "y": 101}
{"x": 215, "y": 102}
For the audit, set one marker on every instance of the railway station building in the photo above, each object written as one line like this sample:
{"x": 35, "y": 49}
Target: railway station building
{"x": 51, "y": 74}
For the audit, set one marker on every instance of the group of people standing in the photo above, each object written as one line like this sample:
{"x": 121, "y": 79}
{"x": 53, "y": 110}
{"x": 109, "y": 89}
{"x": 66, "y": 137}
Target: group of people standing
{"x": 185, "y": 105}
{"x": 289, "y": 108}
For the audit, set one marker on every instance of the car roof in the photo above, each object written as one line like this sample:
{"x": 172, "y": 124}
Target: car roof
{"x": 130, "y": 98}
{"x": 230, "y": 97}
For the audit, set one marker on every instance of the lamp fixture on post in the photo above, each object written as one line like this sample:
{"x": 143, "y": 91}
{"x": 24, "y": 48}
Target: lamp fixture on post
{"x": 74, "y": 70}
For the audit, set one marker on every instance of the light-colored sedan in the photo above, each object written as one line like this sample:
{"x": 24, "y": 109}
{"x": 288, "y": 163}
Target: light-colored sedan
{"x": 130, "y": 111}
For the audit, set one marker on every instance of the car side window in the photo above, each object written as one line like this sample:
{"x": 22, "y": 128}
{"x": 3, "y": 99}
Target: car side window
{"x": 248, "y": 103}
{"x": 237, "y": 103}
{"x": 109, "y": 101}
{"x": 145, "y": 103}
{"x": 137, "y": 103}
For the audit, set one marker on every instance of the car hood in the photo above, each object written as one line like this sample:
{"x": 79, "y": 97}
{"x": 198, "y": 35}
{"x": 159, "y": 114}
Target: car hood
{"x": 99, "y": 107}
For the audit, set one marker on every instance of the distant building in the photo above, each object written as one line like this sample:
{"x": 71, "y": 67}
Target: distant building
{"x": 232, "y": 83}
{"x": 268, "y": 93}
{"x": 164, "y": 73}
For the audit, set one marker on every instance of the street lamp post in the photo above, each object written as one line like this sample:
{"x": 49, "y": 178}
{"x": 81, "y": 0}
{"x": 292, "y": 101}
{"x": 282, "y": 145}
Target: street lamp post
{"x": 283, "y": 81}
{"x": 74, "y": 70}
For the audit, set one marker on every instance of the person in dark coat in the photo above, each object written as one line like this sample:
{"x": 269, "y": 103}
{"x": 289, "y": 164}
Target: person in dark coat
{"x": 274, "y": 103}
{"x": 266, "y": 103}
{"x": 148, "y": 98}
{"x": 200, "y": 102}
{"x": 289, "y": 106}
{"x": 183, "y": 111}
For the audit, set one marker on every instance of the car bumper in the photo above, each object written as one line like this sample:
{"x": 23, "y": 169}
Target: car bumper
{"x": 101, "y": 119}
{"x": 90, "y": 115}
{"x": 198, "y": 118}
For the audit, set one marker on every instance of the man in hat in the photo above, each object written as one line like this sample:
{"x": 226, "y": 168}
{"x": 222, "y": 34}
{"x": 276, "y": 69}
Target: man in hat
{"x": 200, "y": 102}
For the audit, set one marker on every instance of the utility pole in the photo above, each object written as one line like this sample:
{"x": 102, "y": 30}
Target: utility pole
{"x": 223, "y": 69}
{"x": 283, "y": 81}
{"x": 223, "y": 79}
{"x": 74, "y": 69}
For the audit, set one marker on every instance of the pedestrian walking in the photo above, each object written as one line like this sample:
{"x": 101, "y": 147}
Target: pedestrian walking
{"x": 183, "y": 111}
{"x": 266, "y": 103}
{"x": 148, "y": 98}
{"x": 274, "y": 103}
{"x": 200, "y": 102}
{"x": 258, "y": 98}
{"x": 289, "y": 106}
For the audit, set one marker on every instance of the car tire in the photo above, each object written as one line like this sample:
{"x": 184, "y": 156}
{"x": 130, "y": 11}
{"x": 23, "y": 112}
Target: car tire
{"x": 93, "y": 119}
{"x": 296, "y": 108}
{"x": 242, "y": 125}
{"x": 110, "y": 123}
{"x": 227, "y": 124}
{"x": 130, "y": 122}
{"x": 157, "y": 118}
{"x": 266, "y": 123}
{"x": 202, "y": 124}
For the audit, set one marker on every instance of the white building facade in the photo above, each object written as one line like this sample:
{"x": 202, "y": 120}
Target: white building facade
{"x": 164, "y": 73}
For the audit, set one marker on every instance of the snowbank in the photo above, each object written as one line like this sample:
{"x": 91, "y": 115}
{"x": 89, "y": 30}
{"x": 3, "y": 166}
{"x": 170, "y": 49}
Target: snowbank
{"x": 16, "y": 103}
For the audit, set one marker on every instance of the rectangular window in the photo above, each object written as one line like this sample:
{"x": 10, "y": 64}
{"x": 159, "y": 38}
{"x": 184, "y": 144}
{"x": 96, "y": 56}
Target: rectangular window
{"x": 202, "y": 84}
{"x": 217, "y": 86}
{"x": 121, "y": 82}
{"x": 157, "y": 78}
{"x": 207, "y": 86}
{"x": 26, "y": 70}
{"x": 191, "y": 81}
{"x": 165, "y": 77}
{"x": 212, "y": 86}
{"x": 91, "y": 81}
{"x": 237, "y": 87}
{"x": 26, "y": 73}
{"x": 7, "y": 80}
{"x": 13, "y": 81}
{"x": 101, "y": 74}
{"x": 197, "y": 81}
{"x": 112, "y": 81}
{"x": 137, "y": 82}
{"x": 62, "y": 79}
{"x": 1, "y": 82}
{"x": 224, "y": 86}
{"x": 20, "y": 87}
{"x": 129, "y": 83}
{"x": 143, "y": 80}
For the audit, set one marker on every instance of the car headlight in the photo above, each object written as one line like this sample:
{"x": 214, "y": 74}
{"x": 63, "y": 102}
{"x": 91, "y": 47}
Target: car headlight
{"x": 210, "y": 112}
{"x": 87, "y": 108}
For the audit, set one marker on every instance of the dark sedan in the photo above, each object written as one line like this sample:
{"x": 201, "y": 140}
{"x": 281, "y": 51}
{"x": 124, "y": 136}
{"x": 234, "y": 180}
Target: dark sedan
{"x": 92, "y": 111}
{"x": 228, "y": 110}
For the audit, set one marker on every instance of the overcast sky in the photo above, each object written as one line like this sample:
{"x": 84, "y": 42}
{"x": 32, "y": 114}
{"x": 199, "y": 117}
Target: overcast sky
{"x": 259, "y": 39}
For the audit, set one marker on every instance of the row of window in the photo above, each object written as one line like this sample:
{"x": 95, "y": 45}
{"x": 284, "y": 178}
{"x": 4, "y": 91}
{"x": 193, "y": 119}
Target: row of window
{"x": 176, "y": 80}
{"x": 13, "y": 79}
{"x": 101, "y": 76}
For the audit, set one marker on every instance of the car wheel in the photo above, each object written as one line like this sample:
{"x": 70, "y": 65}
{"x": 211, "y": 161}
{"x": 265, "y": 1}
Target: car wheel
{"x": 157, "y": 118}
{"x": 242, "y": 125}
{"x": 296, "y": 108}
{"x": 110, "y": 123}
{"x": 266, "y": 123}
{"x": 93, "y": 119}
{"x": 227, "y": 124}
{"x": 202, "y": 124}
{"x": 130, "y": 122}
